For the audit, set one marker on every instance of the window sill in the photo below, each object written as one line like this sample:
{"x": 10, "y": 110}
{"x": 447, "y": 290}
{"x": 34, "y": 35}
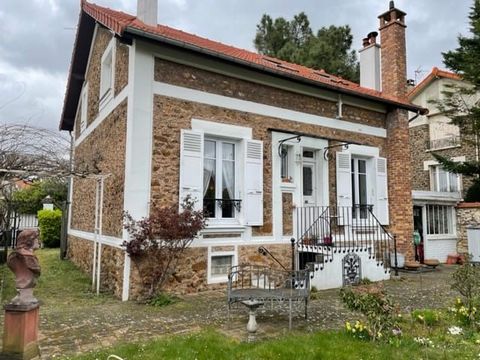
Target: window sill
{"x": 442, "y": 237}
{"x": 287, "y": 186}
{"x": 443, "y": 148}
{"x": 218, "y": 279}
{"x": 216, "y": 227}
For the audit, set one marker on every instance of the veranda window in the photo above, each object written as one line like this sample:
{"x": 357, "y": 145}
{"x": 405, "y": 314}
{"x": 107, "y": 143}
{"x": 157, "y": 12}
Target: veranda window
{"x": 219, "y": 200}
{"x": 440, "y": 220}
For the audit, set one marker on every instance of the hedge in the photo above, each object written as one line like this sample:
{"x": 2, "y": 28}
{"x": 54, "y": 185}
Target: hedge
{"x": 50, "y": 223}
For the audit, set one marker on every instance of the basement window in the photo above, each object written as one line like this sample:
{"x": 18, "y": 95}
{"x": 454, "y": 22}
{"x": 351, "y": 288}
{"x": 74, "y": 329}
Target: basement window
{"x": 107, "y": 72}
{"x": 219, "y": 266}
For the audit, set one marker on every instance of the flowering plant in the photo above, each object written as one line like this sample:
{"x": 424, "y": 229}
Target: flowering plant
{"x": 358, "y": 330}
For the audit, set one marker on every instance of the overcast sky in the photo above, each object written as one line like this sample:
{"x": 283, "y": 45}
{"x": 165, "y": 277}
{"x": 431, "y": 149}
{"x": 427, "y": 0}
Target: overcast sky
{"x": 36, "y": 38}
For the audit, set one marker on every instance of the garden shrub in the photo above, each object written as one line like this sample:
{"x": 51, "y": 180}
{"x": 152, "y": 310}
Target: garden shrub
{"x": 378, "y": 308}
{"x": 466, "y": 280}
{"x": 426, "y": 316}
{"x": 50, "y": 224}
{"x": 162, "y": 299}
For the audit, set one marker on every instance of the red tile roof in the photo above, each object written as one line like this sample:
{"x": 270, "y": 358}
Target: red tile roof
{"x": 434, "y": 74}
{"x": 119, "y": 22}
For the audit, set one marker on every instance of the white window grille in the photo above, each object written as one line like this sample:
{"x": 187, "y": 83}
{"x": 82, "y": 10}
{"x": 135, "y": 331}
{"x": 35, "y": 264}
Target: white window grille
{"x": 220, "y": 265}
{"x": 440, "y": 220}
{"x": 107, "y": 73}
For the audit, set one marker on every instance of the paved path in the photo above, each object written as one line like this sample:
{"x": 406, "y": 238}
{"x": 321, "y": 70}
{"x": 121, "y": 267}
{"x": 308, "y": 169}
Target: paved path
{"x": 74, "y": 328}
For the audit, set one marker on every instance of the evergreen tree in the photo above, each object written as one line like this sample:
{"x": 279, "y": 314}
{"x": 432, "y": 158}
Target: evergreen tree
{"x": 461, "y": 101}
{"x": 294, "y": 41}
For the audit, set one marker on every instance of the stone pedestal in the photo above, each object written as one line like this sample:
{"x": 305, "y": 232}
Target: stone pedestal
{"x": 20, "y": 334}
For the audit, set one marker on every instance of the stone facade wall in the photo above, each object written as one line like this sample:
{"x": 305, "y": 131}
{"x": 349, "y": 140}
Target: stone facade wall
{"x": 287, "y": 214}
{"x": 419, "y": 138}
{"x": 92, "y": 77}
{"x": 468, "y": 214}
{"x": 172, "y": 115}
{"x": 80, "y": 252}
{"x": 102, "y": 151}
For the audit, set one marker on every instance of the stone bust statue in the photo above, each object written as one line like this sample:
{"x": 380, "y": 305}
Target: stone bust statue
{"x": 24, "y": 264}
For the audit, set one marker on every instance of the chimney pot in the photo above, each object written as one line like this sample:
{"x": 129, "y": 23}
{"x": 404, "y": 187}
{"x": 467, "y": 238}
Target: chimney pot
{"x": 366, "y": 42}
{"x": 392, "y": 5}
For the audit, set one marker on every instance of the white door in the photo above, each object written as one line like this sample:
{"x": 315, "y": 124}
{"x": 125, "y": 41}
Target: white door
{"x": 309, "y": 178}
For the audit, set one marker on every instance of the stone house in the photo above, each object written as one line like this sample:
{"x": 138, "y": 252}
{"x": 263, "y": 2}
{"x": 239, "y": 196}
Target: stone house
{"x": 436, "y": 192}
{"x": 270, "y": 150}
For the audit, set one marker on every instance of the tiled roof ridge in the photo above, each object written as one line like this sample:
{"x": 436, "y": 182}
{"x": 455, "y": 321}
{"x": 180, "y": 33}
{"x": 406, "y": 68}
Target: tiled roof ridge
{"x": 119, "y": 21}
{"x": 434, "y": 74}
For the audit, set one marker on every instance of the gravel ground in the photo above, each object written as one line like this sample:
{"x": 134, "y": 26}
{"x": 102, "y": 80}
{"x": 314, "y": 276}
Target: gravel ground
{"x": 77, "y": 328}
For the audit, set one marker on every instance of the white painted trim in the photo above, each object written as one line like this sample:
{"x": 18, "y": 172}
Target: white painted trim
{"x": 322, "y": 187}
{"x": 102, "y": 239}
{"x": 428, "y": 163}
{"x": 126, "y": 277}
{"x": 106, "y": 97}
{"x": 265, "y": 110}
{"x": 219, "y": 279}
{"x": 224, "y": 130}
{"x": 363, "y": 150}
{"x": 102, "y": 115}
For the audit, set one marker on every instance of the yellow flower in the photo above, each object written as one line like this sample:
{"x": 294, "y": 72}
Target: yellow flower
{"x": 348, "y": 326}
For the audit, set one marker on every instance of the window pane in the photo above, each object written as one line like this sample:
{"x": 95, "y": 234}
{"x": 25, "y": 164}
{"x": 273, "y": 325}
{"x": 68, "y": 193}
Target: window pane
{"x": 228, "y": 151}
{"x": 453, "y": 182}
{"x": 442, "y": 179}
{"x": 362, "y": 167}
{"x": 209, "y": 150}
{"x": 220, "y": 265}
{"x": 362, "y": 189}
{"x": 307, "y": 181}
{"x": 228, "y": 188}
{"x": 284, "y": 163}
{"x": 209, "y": 175}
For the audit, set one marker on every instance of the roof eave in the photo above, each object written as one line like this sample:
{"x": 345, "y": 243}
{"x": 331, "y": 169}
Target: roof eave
{"x": 141, "y": 33}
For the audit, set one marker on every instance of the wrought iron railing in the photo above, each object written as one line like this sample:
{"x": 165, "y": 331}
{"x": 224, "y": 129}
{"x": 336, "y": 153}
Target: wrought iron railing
{"x": 323, "y": 231}
{"x": 446, "y": 142}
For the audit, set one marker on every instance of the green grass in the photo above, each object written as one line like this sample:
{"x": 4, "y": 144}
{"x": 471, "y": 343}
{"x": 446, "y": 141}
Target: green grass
{"x": 60, "y": 282}
{"x": 211, "y": 344}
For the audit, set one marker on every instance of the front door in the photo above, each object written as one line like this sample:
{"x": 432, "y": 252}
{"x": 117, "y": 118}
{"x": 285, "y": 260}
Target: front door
{"x": 309, "y": 178}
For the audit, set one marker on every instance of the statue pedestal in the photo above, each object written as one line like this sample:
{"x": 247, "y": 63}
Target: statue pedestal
{"x": 20, "y": 334}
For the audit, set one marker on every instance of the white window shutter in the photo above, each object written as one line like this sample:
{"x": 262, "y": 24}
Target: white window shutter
{"x": 381, "y": 208}
{"x": 344, "y": 186}
{"x": 191, "y": 167}
{"x": 253, "y": 201}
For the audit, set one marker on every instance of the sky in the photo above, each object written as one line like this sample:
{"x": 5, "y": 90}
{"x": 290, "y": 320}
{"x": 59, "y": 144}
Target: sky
{"x": 36, "y": 38}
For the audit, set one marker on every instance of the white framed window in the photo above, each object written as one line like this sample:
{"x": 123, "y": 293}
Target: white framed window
{"x": 107, "y": 74}
{"x": 442, "y": 180}
{"x": 220, "y": 200}
{"x": 219, "y": 264}
{"x": 284, "y": 163}
{"x": 440, "y": 220}
{"x": 84, "y": 108}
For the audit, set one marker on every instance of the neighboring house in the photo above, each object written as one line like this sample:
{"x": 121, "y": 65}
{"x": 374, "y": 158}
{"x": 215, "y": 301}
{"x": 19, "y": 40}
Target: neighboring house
{"x": 259, "y": 142}
{"x": 436, "y": 192}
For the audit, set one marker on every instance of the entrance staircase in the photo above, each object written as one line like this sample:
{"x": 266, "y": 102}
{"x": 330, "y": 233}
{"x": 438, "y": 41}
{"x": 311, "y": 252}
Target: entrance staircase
{"x": 342, "y": 245}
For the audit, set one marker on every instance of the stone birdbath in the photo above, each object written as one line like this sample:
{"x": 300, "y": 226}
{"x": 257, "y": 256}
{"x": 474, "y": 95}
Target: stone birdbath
{"x": 252, "y": 327}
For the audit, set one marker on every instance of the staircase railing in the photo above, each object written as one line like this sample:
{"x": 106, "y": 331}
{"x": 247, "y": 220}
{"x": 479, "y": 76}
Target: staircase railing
{"x": 323, "y": 231}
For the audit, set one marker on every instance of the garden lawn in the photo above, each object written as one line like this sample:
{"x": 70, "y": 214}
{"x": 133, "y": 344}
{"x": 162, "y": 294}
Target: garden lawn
{"x": 210, "y": 344}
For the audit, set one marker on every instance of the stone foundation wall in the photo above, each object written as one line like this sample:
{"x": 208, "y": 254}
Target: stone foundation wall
{"x": 468, "y": 214}
{"x": 80, "y": 252}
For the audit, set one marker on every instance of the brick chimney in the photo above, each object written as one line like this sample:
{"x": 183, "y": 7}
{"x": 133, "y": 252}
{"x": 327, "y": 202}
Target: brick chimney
{"x": 394, "y": 52}
{"x": 370, "y": 68}
{"x": 394, "y": 82}
{"x": 147, "y": 11}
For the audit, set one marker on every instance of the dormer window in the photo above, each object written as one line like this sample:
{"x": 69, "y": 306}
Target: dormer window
{"x": 107, "y": 72}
